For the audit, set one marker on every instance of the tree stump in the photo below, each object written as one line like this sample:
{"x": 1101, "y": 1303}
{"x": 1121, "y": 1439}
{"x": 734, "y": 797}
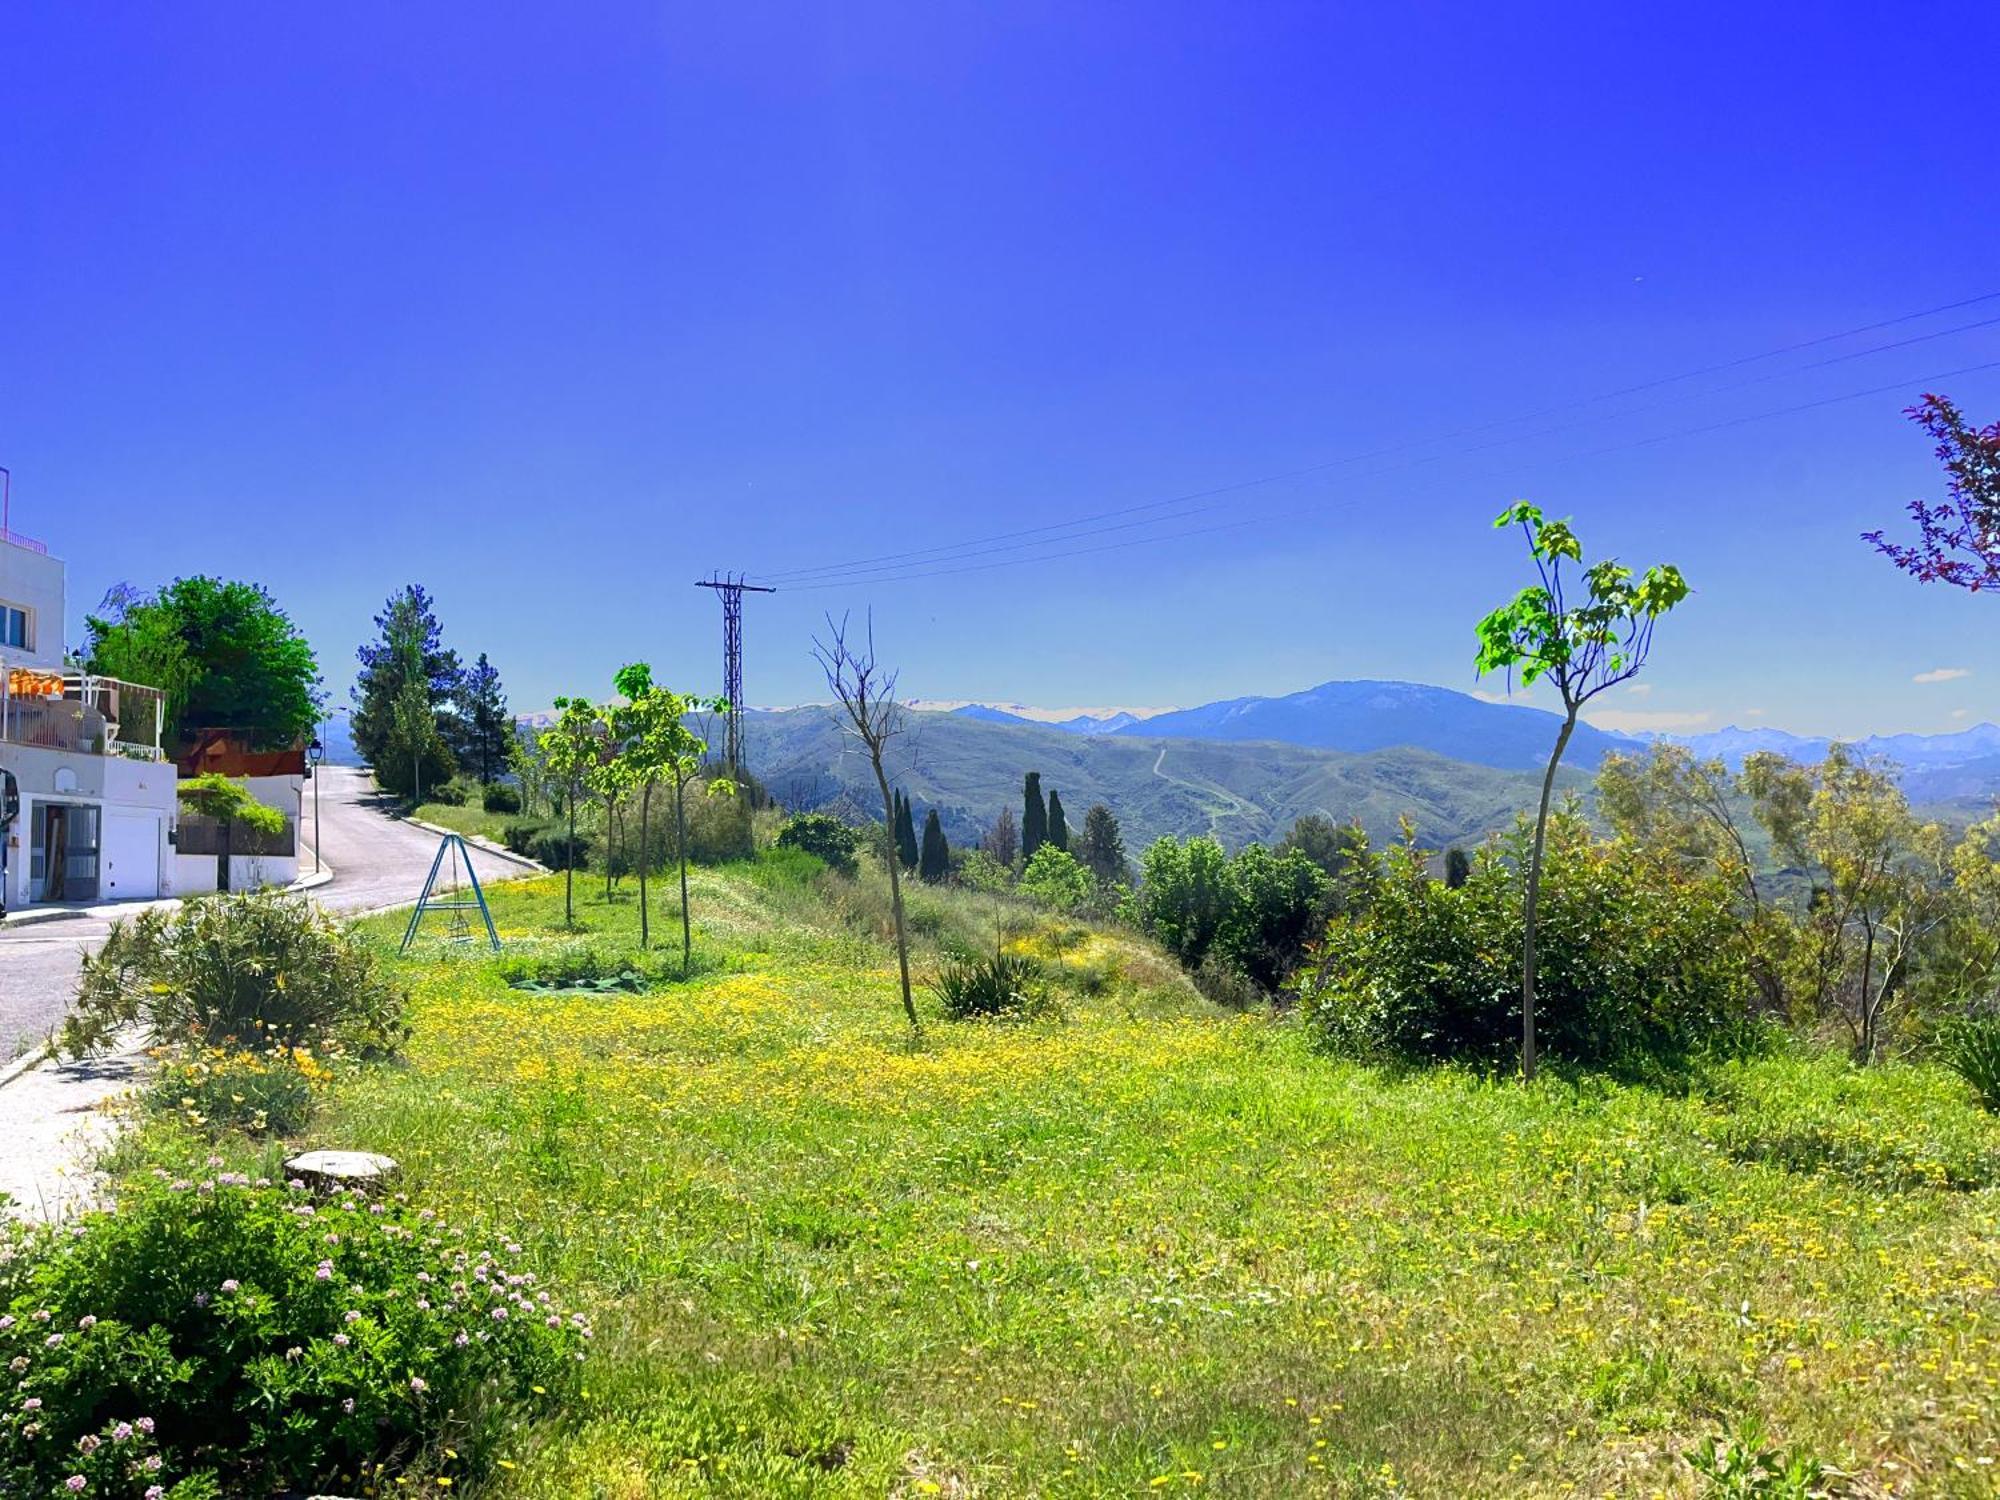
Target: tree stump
{"x": 340, "y": 1171}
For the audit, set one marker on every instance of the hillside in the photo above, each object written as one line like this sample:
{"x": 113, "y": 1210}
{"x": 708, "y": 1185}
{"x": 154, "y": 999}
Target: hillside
{"x": 1367, "y": 715}
{"x": 970, "y": 767}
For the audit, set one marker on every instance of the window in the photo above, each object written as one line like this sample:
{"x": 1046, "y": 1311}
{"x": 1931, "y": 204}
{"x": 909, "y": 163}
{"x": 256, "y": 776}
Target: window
{"x": 13, "y": 627}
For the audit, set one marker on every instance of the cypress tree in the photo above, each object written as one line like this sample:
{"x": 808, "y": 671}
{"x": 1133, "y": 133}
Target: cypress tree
{"x": 1457, "y": 868}
{"x": 1058, "y": 824}
{"x": 906, "y": 833}
{"x": 1034, "y": 816}
{"x": 935, "y": 862}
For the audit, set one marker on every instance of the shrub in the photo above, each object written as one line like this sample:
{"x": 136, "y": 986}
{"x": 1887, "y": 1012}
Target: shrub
{"x": 546, "y": 842}
{"x": 1184, "y": 895}
{"x": 499, "y": 797}
{"x": 215, "y": 1088}
{"x": 1057, "y": 880}
{"x": 1971, "y": 1049}
{"x": 262, "y": 967}
{"x": 979, "y": 871}
{"x": 446, "y": 793}
{"x": 1638, "y": 962}
{"x": 1275, "y": 902}
{"x": 1004, "y": 984}
{"x": 827, "y": 837}
{"x": 1222, "y": 983}
{"x": 234, "y": 1337}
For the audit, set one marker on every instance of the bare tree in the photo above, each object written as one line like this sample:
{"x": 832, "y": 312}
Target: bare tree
{"x": 867, "y": 695}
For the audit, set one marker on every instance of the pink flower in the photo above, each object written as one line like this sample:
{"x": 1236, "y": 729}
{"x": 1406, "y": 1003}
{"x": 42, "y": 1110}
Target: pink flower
{"x": 155, "y": 1492}
{"x": 353, "y": 1316}
{"x": 33, "y": 1403}
{"x": 231, "y": 1284}
{"x": 417, "y": 1384}
{"x": 88, "y": 1320}
{"x": 75, "y": 1482}
{"x": 341, "y": 1339}
{"x": 121, "y": 1432}
{"x": 499, "y": 1314}
{"x": 146, "y": 1425}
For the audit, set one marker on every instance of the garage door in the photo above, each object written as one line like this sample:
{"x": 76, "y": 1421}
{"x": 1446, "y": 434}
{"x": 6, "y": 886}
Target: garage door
{"x": 131, "y": 855}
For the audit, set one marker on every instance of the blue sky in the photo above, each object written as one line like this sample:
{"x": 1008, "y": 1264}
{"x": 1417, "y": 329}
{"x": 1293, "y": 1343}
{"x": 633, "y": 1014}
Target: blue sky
{"x": 557, "y": 308}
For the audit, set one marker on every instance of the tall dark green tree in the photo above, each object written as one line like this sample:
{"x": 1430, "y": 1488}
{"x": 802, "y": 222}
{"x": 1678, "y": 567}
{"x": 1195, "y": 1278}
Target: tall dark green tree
{"x": 1034, "y": 816}
{"x": 1058, "y": 824}
{"x": 906, "y": 833}
{"x": 1457, "y": 868}
{"x": 1103, "y": 850}
{"x": 224, "y": 653}
{"x": 934, "y": 863}
{"x": 409, "y": 648}
{"x": 485, "y": 730}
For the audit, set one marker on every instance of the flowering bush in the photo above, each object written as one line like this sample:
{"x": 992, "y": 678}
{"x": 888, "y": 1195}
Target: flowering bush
{"x": 263, "y": 966}
{"x": 271, "y": 1091}
{"x": 238, "y": 1337}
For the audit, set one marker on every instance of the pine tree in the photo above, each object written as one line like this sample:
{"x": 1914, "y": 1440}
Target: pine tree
{"x": 484, "y": 727}
{"x": 410, "y": 648}
{"x": 1103, "y": 850}
{"x": 1058, "y": 824}
{"x": 906, "y": 833}
{"x": 1034, "y": 816}
{"x": 935, "y": 862}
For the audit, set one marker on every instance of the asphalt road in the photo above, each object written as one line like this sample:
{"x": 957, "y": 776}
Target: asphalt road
{"x": 377, "y": 861}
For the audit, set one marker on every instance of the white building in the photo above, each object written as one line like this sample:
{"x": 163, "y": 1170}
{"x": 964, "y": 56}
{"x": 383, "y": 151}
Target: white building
{"x": 92, "y": 798}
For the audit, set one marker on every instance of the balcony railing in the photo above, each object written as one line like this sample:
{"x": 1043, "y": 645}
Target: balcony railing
{"x": 94, "y": 716}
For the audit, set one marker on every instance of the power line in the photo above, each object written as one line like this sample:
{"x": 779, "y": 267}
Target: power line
{"x": 967, "y": 551}
{"x": 824, "y": 570}
{"x": 1309, "y": 508}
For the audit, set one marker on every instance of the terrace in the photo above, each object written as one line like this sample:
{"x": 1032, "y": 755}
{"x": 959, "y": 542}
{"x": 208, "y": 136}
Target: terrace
{"x": 81, "y": 713}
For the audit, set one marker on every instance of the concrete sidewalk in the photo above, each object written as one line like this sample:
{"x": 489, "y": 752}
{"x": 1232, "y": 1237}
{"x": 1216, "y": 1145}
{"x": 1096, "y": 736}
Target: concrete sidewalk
{"x": 57, "y": 1117}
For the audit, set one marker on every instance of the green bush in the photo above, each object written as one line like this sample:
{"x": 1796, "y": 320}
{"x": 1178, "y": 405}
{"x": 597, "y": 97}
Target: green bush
{"x": 827, "y": 837}
{"x": 1057, "y": 880}
{"x": 1005, "y": 984}
{"x": 1971, "y": 1049}
{"x": 272, "y": 1091}
{"x": 547, "y": 842}
{"x": 452, "y": 793}
{"x": 263, "y": 968}
{"x": 499, "y": 797}
{"x": 1276, "y": 900}
{"x": 1638, "y": 962}
{"x": 1184, "y": 895}
{"x": 225, "y": 1336}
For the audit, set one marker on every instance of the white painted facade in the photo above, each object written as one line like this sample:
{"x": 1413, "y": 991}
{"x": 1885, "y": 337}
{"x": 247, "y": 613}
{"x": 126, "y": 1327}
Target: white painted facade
{"x": 35, "y": 585}
{"x": 91, "y": 826}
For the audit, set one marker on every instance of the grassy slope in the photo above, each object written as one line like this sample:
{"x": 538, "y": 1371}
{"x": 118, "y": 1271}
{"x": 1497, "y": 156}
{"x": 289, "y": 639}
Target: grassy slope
{"x": 970, "y": 769}
{"x": 1149, "y": 1241}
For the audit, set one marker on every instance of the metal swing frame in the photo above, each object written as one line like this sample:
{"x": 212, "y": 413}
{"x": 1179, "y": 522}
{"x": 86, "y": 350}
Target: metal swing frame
{"x": 454, "y": 844}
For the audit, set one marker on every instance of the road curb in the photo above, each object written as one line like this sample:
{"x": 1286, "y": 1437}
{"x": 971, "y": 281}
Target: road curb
{"x": 27, "y": 1062}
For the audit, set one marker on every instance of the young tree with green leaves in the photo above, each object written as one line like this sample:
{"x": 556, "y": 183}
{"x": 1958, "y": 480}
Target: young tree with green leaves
{"x": 867, "y": 697}
{"x": 571, "y": 748}
{"x": 1058, "y": 824}
{"x": 1034, "y": 815}
{"x": 659, "y": 746}
{"x": 934, "y": 861}
{"x": 1583, "y": 646}
{"x": 1185, "y": 895}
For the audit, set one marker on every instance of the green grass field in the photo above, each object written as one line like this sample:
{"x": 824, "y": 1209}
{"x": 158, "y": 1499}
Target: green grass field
{"x": 1144, "y": 1246}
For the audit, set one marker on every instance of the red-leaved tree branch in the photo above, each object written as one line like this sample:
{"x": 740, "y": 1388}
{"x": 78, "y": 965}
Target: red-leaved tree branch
{"x": 1958, "y": 540}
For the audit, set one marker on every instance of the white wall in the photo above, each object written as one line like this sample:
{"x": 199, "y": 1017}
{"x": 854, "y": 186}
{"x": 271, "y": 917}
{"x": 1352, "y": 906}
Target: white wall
{"x": 108, "y": 781}
{"x": 30, "y": 581}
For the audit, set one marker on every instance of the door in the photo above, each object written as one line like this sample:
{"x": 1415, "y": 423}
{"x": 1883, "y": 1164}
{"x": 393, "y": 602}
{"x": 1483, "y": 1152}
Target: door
{"x": 64, "y": 854}
{"x": 131, "y": 855}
